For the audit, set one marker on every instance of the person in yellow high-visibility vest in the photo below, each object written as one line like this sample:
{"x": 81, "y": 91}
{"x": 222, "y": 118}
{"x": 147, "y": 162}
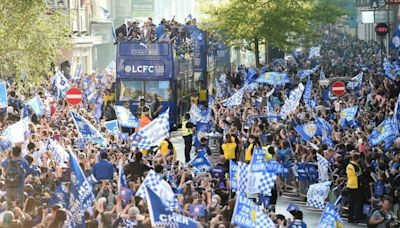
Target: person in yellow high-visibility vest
{"x": 187, "y": 134}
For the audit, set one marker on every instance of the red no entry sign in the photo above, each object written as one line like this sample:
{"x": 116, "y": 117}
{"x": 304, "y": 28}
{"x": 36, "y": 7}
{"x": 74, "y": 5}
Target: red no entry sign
{"x": 74, "y": 96}
{"x": 338, "y": 88}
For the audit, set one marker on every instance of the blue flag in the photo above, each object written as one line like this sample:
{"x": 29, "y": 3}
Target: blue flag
{"x": 123, "y": 189}
{"x": 292, "y": 102}
{"x": 307, "y": 131}
{"x": 233, "y": 175}
{"x": 247, "y": 214}
{"x": 125, "y": 117}
{"x": 199, "y": 114}
{"x": 396, "y": 113}
{"x": 330, "y": 218}
{"x": 81, "y": 195}
{"x": 201, "y": 131}
{"x": 62, "y": 194}
{"x": 273, "y": 78}
{"x": 356, "y": 81}
{"x": 307, "y": 73}
{"x": 322, "y": 75}
{"x": 250, "y": 76}
{"x": 391, "y": 69}
{"x": 3, "y": 95}
{"x": 324, "y": 130}
{"x": 307, "y": 97}
{"x": 235, "y": 99}
{"x": 61, "y": 84}
{"x": 87, "y": 131}
{"x": 258, "y": 162}
{"x": 387, "y": 129}
{"x": 395, "y": 44}
{"x": 161, "y": 215}
{"x": 112, "y": 127}
{"x": 347, "y": 116}
{"x": 201, "y": 162}
{"x": 37, "y": 105}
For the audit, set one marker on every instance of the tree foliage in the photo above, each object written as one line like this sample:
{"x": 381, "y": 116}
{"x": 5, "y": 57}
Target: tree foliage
{"x": 284, "y": 24}
{"x": 32, "y": 37}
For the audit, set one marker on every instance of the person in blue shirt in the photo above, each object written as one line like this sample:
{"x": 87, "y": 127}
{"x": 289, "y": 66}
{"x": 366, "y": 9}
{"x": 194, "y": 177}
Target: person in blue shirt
{"x": 103, "y": 169}
{"x": 15, "y": 169}
{"x": 160, "y": 29}
{"x": 298, "y": 220}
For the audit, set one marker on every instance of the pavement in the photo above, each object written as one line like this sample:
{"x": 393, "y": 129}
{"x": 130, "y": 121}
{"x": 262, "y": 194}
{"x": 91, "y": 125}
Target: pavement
{"x": 311, "y": 216}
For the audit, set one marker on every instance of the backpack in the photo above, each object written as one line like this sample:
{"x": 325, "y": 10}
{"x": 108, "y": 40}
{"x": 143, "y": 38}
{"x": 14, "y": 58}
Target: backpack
{"x": 13, "y": 173}
{"x": 370, "y": 216}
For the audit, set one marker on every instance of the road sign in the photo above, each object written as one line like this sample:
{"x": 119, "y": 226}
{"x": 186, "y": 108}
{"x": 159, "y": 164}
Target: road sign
{"x": 374, "y": 4}
{"x": 74, "y": 96}
{"x": 382, "y": 29}
{"x": 338, "y": 88}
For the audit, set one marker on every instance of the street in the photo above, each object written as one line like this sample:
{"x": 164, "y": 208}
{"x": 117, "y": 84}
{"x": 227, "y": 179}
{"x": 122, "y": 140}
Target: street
{"x": 311, "y": 216}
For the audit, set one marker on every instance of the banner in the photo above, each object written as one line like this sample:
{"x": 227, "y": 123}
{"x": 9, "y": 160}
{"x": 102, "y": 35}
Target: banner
{"x": 292, "y": 102}
{"x": 385, "y": 130}
{"x": 317, "y": 194}
{"x": 307, "y": 97}
{"x": 233, "y": 175}
{"x": 125, "y": 117}
{"x": 153, "y": 133}
{"x": 17, "y": 132}
{"x": 3, "y": 95}
{"x": 81, "y": 195}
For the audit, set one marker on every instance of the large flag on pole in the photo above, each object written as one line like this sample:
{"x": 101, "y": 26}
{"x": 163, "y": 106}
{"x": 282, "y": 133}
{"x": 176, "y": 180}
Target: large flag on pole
{"x": 323, "y": 168}
{"x": 153, "y": 133}
{"x": 81, "y": 195}
{"x": 87, "y": 131}
{"x": 17, "y": 132}
{"x": 235, "y": 99}
{"x": 123, "y": 189}
{"x": 388, "y": 129}
{"x": 330, "y": 218}
{"x": 273, "y": 78}
{"x": 317, "y": 194}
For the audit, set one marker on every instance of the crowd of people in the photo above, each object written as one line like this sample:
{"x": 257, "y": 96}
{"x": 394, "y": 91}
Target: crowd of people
{"x": 33, "y": 181}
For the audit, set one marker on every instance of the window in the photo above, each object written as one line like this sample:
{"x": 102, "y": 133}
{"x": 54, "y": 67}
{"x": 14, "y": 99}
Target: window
{"x": 130, "y": 90}
{"x": 161, "y": 88}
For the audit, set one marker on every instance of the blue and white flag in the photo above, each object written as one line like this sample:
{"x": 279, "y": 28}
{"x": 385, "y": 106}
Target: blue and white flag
{"x": 307, "y": 73}
{"x": 162, "y": 216}
{"x": 233, "y": 175}
{"x": 257, "y": 163}
{"x": 322, "y": 75}
{"x": 314, "y": 52}
{"x": 123, "y": 188}
{"x": 59, "y": 153}
{"x": 111, "y": 67}
{"x": 61, "y": 84}
{"x": 161, "y": 188}
{"x": 391, "y": 69}
{"x": 293, "y": 207}
{"x": 396, "y": 39}
{"x": 78, "y": 73}
{"x": 273, "y": 78}
{"x": 324, "y": 130}
{"x": 112, "y": 127}
{"x": 317, "y": 194}
{"x": 292, "y": 102}
{"x": 201, "y": 163}
{"x": 387, "y": 129}
{"x": 37, "y": 105}
{"x": 235, "y": 99}
{"x": 153, "y": 133}
{"x": 271, "y": 112}
{"x": 242, "y": 176}
{"x": 307, "y": 97}
{"x": 323, "y": 168}
{"x": 17, "y": 132}
{"x": 396, "y": 113}
{"x": 3, "y": 95}
{"x": 349, "y": 114}
{"x": 251, "y": 74}
{"x": 307, "y": 131}
{"x": 202, "y": 129}
{"x": 247, "y": 214}
{"x": 330, "y": 218}
{"x": 81, "y": 195}
{"x": 87, "y": 131}
{"x": 363, "y": 67}
{"x": 199, "y": 114}
{"x": 356, "y": 81}
{"x": 62, "y": 194}
{"x": 125, "y": 117}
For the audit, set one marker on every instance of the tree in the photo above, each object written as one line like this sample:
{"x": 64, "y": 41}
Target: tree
{"x": 284, "y": 24}
{"x": 32, "y": 37}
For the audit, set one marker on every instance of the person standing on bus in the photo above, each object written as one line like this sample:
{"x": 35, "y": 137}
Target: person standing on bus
{"x": 187, "y": 134}
{"x": 156, "y": 107}
{"x": 142, "y": 108}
